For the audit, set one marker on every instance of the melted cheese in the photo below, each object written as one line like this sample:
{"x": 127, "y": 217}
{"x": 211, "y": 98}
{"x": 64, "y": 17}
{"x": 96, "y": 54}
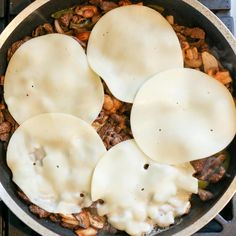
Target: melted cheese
{"x": 52, "y": 158}
{"x": 182, "y": 115}
{"x": 128, "y": 45}
{"x": 51, "y": 74}
{"x": 138, "y": 192}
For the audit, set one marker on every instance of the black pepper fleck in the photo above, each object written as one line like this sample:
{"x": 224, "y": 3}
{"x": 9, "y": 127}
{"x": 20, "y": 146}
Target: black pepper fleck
{"x": 100, "y": 201}
{"x": 146, "y": 166}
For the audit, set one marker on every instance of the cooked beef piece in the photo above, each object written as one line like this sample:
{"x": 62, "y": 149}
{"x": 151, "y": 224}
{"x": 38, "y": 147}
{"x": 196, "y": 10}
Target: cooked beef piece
{"x": 15, "y": 46}
{"x": 113, "y": 123}
{"x": 42, "y": 30}
{"x": 114, "y": 130}
{"x": 196, "y": 33}
{"x": 39, "y": 211}
{"x": 108, "y": 5}
{"x": 210, "y": 169}
{"x": 205, "y": 195}
{"x": 109, "y": 229}
{"x": 5, "y": 127}
{"x": 55, "y": 218}
{"x": 23, "y": 197}
{"x": 65, "y": 19}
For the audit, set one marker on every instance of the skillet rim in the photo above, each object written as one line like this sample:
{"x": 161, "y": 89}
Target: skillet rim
{"x": 220, "y": 204}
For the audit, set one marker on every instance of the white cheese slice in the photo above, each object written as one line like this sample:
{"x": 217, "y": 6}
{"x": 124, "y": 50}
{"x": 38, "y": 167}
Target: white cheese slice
{"x": 52, "y": 158}
{"x": 51, "y": 74}
{"x": 182, "y": 115}
{"x": 128, "y": 45}
{"x": 139, "y": 193}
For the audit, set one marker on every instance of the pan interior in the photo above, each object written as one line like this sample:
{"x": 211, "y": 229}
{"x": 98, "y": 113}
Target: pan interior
{"x": 184, "y": 14}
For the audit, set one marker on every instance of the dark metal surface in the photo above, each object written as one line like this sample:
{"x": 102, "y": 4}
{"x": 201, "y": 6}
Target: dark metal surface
{"x": 17, "y": 228}
{"x": 2, "y": 24}
{"x": 224, "y": 223}
{"x": 2, "y": 8}
{"x": 228, "y": 21}
{"x": 16, "y": 6}
{"x": 217, "y": 4}
{"x": 11, "y": 226}
{"x": 1, "y": 219}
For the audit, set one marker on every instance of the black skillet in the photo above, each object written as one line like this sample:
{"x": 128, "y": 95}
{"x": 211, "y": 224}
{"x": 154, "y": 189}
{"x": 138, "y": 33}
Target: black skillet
{"x": 187, "y": 12}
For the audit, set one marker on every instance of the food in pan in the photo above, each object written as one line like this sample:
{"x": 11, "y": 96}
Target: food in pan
{"x": 141, "y": 44}
{"x": 58, "y": 153}
{"x": 178, "y": 115}
{"x": 51, "y": 74}
{"x": 134, "y": 200}
{"x": 113, "y": 126}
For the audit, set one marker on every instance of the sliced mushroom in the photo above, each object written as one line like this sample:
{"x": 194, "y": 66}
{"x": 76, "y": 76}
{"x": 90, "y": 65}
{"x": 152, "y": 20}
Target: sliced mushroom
{"x": 86, "y": 11}
{"x": 58, "y": 27}
{"x": 86, "y": 232}
{"x": 96, "y": 221}
{"x": 69, "y": 221}
{"x": 73, "y": 223}
{"x": 223, "y": 76}
{"x": 192, "y": 58}
{"x": 170, "y": 19}
{"x": 83, "y": 219}
{"x": 67, "y": 216}
{"x": 69, "y": 226}
{"x": 209, "y": 62}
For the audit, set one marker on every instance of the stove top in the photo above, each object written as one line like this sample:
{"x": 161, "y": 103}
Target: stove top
{"x": 224, "y": 224}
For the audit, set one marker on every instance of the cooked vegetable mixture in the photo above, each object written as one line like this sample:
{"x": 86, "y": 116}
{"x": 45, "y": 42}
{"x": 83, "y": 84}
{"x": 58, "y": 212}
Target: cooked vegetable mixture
{"x": 113, "y": 123}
